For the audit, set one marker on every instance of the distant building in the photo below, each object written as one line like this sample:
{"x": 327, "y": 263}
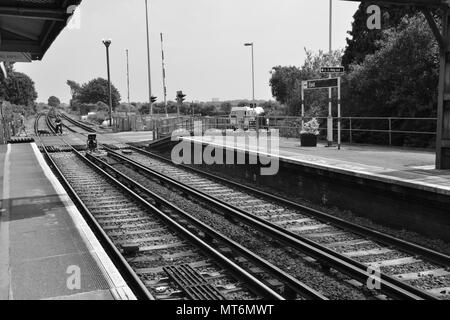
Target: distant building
{"x": 215, "y": 100}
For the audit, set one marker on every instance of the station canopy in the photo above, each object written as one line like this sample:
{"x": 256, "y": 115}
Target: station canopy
{"x": 29, "y": 27}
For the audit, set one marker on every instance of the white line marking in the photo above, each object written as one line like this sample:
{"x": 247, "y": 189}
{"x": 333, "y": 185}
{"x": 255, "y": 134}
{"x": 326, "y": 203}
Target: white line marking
{"x": 106, "y": 265}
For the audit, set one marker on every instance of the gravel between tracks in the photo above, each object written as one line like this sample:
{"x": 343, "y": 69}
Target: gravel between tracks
{"x": 435, "y": 244}
{"x": 330, "y": 284}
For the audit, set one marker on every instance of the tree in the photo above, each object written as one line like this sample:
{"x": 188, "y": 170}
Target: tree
{"x": 398, "y": 80}
{"x": 54, "y": 101}
{"x": 225, "y": 108}
{"x": 365, "y": 41}
{"x": 274, "y": 108}
{"x": 101, "y": 106}
{"x": 97, "y": 90}
{"x": 75, "y": 88}
{"x": 286, "y": 83}
{"x": 283, "y": 82}
{"x": 18, "y": 89}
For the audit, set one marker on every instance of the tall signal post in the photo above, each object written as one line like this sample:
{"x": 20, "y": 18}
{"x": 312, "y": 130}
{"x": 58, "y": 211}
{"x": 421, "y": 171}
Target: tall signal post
{"x": 180, "y": 98}
{"x": 128, "y": 78}
{"x": 164, "y": 75}
{"x": 148, "y": 61}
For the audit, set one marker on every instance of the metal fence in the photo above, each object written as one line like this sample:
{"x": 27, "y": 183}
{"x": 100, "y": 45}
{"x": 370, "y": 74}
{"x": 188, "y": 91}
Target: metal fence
{"x": 377, "y": 130}
{"x": 384, "y": 130}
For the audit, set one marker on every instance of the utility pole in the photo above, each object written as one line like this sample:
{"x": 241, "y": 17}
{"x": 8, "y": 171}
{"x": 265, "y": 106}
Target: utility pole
{"x": 148, "y": 61}
{"x": 128, "y": 78}
{"x": 250, "y": 44}
{"x": 330, "y": 105}
{"x": 164, "y": 75}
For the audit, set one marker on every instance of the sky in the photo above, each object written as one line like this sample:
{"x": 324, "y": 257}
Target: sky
{"x": 204, "y": 48}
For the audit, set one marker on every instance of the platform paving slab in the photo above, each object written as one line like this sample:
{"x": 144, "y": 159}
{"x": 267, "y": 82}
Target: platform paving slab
{"x": 44, "y": 239}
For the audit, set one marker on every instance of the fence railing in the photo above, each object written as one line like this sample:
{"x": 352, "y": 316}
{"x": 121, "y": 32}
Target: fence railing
{"x": 378, "y": 130}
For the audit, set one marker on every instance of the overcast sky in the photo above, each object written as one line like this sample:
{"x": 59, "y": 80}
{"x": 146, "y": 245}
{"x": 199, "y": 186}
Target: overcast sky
{"x": 205, "y": 55}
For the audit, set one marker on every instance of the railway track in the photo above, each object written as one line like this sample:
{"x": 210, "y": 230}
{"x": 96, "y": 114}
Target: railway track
{"x": 406, "y": 270}
{"x": 166, "y": 249}
{"x": 75, "y": 126}
{"x": 40, "y": 125}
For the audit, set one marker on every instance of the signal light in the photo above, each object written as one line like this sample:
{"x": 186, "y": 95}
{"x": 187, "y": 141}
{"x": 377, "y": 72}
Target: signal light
{"x": 153, "y": 99}
{"x": 180, "y": 97}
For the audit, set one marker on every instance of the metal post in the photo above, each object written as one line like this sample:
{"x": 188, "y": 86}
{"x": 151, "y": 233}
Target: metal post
{"x": 443, "y": 123}
{"x": 339, "y": 113}
{"x": 330, "y": 114}
{"x": 253, "y": 76}
{"x": 331, "y": 25}
{"x": 351, "y": 133}
{"x": 107, "y": 44}
{"x": 390, "y": 132}
{"x": 128, "y": 78}
{"x": 250, "y": 44}
{"x": 148, "y": 62}
{"x": 303, "y": 104}
{"x": 164, "y": 76}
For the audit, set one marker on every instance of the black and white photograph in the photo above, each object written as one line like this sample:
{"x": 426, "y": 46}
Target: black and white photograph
{"x": 225, "y": 158}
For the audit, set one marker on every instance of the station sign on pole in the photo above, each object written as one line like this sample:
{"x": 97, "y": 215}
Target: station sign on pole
{"x": 331, "y": 69}
{"x": 324, "y": 83}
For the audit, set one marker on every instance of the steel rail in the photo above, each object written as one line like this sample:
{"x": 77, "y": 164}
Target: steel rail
{"x": 411, "y": 248}
{"x": 291, "y": 281}
{"x": 50, "y": 124}
{"x": 408, "y": 247}
{"x": 130, "y": 277}
{"x": 36, "y": 124}
{"x": 258, "y": 286}
{"x": 251, "y": 281}
{"x": 395, "y": 287}
{"x": 356, "y": 270}
{"x": 78, "y": 123}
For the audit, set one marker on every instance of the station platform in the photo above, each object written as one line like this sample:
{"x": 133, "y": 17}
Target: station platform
{"x": 402, "y": 166}
{"x": 47, "y": 250}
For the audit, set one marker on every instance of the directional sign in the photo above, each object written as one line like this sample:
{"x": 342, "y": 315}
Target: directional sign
{"x": 322, "y": 83}
{"x": 331, "y": 69}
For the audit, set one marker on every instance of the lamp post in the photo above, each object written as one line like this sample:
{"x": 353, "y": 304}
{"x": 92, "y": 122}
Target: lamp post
{"x": 107, "y": 44}
{"x": 253, "y": 72}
